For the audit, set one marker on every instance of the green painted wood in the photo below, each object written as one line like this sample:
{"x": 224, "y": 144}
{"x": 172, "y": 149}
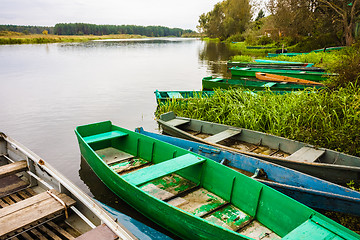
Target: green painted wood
{"x": 161, "y": 169}
{"x": 253, "y": 84}
{"x": 104, "y": 136}
{"x": 272, "y": 211}
{"x": 308, "y": 75}
{"x": 175, "y": 95}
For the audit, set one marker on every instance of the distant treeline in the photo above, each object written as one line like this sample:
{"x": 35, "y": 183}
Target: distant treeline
{"x": 93, "y": 29}
{"x": 26, "y": 29}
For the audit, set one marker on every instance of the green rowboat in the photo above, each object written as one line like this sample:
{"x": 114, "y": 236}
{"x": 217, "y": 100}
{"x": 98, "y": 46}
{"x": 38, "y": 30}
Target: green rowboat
{"x": 308, "y": 75}
{"x": 195, "y": 197}
{"x": 210, "y": 83}
{"x": 164, "y": 96}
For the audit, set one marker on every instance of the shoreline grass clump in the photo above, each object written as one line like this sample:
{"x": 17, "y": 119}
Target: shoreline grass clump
{"x": 48, "y": 38}
{"x": 324, "y": 118}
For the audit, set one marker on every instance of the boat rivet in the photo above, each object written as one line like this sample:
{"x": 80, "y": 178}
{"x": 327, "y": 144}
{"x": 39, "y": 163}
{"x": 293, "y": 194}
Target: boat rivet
{"x": 41, "y": 162}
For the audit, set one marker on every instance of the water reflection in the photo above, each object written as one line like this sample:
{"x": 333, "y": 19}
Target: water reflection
{"x": 215, "y": 55}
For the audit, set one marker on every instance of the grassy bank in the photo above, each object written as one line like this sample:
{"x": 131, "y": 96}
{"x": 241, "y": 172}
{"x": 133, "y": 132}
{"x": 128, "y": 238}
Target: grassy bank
{"x": 42, "y": 38}
{"x": 329, "y": 119}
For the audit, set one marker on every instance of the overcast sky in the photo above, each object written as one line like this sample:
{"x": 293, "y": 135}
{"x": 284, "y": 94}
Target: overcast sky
{"x": 169, "y": 13}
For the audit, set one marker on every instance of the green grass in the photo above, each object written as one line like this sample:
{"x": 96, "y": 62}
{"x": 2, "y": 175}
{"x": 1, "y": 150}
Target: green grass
{"x": 325, "y": 118}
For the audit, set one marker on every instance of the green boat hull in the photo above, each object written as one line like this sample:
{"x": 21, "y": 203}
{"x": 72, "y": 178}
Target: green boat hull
{"x": 209, "y": 83}
{"x": 264, "y": 208}
{"x": 165, "y": 96}
{"x": 250, "y": 72}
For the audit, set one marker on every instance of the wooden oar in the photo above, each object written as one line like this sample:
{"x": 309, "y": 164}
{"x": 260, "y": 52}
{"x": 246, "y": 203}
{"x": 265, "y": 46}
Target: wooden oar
{"x": 279, "y": 78}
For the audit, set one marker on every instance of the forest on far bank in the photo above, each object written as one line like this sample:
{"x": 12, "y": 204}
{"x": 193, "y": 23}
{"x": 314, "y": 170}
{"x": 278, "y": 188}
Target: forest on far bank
{"x": 94, "y": 29}
{"x": 310, "y": 24}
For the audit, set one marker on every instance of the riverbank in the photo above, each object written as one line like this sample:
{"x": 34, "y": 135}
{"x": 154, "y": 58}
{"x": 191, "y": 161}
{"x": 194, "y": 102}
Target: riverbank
{"x": 16, "y": 38}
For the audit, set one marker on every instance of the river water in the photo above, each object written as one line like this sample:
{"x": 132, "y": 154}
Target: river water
{"x": 47, "y": 90}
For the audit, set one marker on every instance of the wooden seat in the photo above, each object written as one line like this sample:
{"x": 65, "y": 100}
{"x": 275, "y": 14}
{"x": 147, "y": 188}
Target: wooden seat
{"x": 12, "y": 168}
{"x": 177, "y": 122}
{"x": 162, "y": 169}
{"x": 32, "y": 211}
{"x": 175, "y": 95}
{"x": 104, "y": 136}
{"x": 306, "y": 154}
{"x": 222, "y": 135}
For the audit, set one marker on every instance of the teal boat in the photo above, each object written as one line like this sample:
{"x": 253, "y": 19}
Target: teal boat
{"x": 307, "y": 75}
{"x": 282, "y": 66}
{"x": 329, "y": 49}
{"x": 195, "y": 197}
{"x": 282, "y": 62}
{"x": 164, "y": 96}
{"x": 210, "y": 83}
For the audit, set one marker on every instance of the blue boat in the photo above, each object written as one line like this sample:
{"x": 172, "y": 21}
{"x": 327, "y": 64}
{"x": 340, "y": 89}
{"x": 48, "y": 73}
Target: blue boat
{"x": 311, "y": 191}
{"x": 140, "y": 230}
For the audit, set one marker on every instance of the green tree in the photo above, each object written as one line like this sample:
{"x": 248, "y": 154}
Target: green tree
{"x": 346, "y": 13}
{"x": 228, "y": 17}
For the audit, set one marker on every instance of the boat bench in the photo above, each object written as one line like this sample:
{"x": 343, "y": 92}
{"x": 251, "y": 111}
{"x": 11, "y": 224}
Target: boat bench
{"x": 32, "y": 211}
{"x": 12, "y": 168}
{"x": 162, "y": 169}
{"x": 306, "y": 154}
{"x": 175, "y": 95}
{"x": 222, "y": 135}
{"x": 104, "y": 136}
{"x": 269, "y": 84}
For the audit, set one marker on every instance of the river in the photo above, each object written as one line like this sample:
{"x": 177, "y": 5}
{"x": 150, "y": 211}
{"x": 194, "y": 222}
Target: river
{"x": 49, "y": 89}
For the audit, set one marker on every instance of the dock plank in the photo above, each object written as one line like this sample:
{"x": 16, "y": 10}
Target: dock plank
{"x": 12, "y": 168}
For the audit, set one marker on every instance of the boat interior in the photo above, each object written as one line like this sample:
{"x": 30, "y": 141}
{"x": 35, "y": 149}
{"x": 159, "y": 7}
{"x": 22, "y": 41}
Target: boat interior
{"x": 197, "y": 186}
{"x": 34, "y": 205}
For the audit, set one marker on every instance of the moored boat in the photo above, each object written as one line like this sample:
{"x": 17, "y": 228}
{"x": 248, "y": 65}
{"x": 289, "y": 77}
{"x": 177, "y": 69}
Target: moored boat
{"x": 311, "y": 191}
{"x": 274, "y": 66}
{"x": 336, "y": 167}
{"x": 37, "y": 202}
{"x": 195, "y": 197}
{"x": 163, "y": 96}
{"x": 308, "y": 75}
{"x": 279, "y": 78}
{"x": 210, "y": 83}
{"x": 267, "y": 61}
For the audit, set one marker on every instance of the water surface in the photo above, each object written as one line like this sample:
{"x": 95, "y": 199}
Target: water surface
{"x": 47, "y": 90}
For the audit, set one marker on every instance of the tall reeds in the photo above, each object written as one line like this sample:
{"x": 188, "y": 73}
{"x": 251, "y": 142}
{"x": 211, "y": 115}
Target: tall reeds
{"x": 325, "y": 118}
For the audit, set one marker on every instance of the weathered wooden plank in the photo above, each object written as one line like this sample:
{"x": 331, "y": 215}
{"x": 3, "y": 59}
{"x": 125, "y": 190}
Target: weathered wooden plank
{"x": 38, "y": 234}
{"x": 112, "y": 155}
{"x": 162, "y": 169}
{"x": 306, "y": 154}
{"x": 100, "y": 232}
{"x": 49, "y": 232}
{"x": 12, "y": 168}
{"x": 10, "y": 184}
{"x": 26, "y": 236}
{"x": 222, "y": 135}
{"x": 61, "y": 230}
{"x": 33, "y": 209}
{"x": 104, "y": 136}
{"x": 177, "y": 122}
{"x": 3, "y": 204}
{"x": 15, "y": 197}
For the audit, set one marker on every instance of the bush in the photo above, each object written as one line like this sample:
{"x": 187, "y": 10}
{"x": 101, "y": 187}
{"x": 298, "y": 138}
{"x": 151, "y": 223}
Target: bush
{"x": 264, "y": 40}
